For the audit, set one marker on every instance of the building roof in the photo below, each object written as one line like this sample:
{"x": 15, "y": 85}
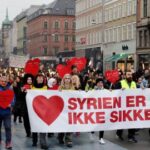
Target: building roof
{"x": 58, "y": 7}
{"x": 27, "y": 12}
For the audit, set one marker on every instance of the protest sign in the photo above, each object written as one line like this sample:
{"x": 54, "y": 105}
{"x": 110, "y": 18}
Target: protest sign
{"x": 80, "y": 111}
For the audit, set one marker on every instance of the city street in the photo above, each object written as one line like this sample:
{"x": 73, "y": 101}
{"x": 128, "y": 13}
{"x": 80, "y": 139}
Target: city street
{"x": 20, "y": 142}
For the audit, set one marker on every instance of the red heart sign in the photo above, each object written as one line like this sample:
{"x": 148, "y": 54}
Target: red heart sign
{"x": 6, "y": 97}
{"x": 112, "y": 75}
{"x": 62, "y": 70}
{"x": 79, "y": 62}
{"x": 32, "y": 66}
{"x": 48, "y": 109}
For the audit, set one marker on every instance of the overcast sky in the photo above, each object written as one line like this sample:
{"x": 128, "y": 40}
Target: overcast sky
{"x": 16, "y": 6}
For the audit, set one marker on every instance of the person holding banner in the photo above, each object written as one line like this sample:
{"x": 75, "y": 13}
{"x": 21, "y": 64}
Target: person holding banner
{"x": 52, "y": 85}
{"x": 27, "y": 84}
{"x": 76, "y": 82}
{"x": 128, "y": 83}
{"x": 6, "y": 94}
{"x": 66, "y": 84}
{"x": 100, "y": 86}
{"x": 39, "y": 85}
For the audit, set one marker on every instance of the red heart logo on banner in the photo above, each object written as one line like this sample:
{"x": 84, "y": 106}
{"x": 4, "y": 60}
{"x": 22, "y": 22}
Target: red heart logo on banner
{"x": 32, "y": 66}
{"x": 48, "y": 109}
{"x": 6, "y": 97}
{"x": 62, "y": 70}
{"x": 112, "y": 76}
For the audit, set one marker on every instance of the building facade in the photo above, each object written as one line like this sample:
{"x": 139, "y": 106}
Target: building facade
{"x": 89, "y": 30}
{"x": 14, "y": 36}
{"x": 120, "y": 34}
{"x": 107, "y": 28}
{"x": 51, "y": 30}
{"x": 143, "y": 34}
{"x": 21, "y": 20}
{"x": 0, "y": 38}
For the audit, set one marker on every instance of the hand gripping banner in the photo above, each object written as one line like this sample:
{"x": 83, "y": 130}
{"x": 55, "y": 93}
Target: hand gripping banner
{"x": 80, "y": 111}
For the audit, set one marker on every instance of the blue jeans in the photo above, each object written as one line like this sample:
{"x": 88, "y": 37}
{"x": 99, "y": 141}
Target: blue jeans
{"x": 6, "y": 119}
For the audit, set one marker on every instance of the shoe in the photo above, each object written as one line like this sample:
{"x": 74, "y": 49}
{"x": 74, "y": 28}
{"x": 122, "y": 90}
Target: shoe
{"x": 101, "y": 141}
{"x": 9, "y": 145}
{"x": 133, "y": 140}
{"x": 28, "y": 135}
{"x": 137, "y": 131}
{"x": 34, "y": 144}
{"x": 60, "y": 140}
{"x": 77, "y": 134}
{"x": 119, "y": 137}
{"x": 91, "y": 137}
{"x": 20, "y": 121}
{"x": 50, "y": 135}
{"x": 44, "y": 147}
{"x": 69, "y": 144}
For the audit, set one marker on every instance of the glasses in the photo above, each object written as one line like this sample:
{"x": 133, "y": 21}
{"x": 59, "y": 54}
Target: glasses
{"x": 68, "y": 78}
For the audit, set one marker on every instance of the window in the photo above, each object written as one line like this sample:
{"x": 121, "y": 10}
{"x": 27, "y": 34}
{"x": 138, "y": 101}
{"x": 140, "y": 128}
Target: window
{"x": 66, "y": 49}
{"x": 140, "y": 38}
{"x": 115, "y": 35}
{"x": 45, "y": 51}
{"x": 110, "y": 14}
{"x": 45, "y": 25}
{"x": 119, "y": 11}
{"x": 24, "y": 47}
{"x": 73, "y": 38}
{"x": 134, "y": 30}
{"x": 45, "y": 38}
{"x": 56, "y": 24}
{"x": 145, "y": 38}
{"x": 124, "y": 9}
{"x": 116, "y": 12}
{"x": 119, "y": 34}
{"x": 134, "y": 7}
{"x": 129, "y": 31}
{"x": 56, "y": 50}
{"x": 74, "y": 25}
{"x": 56, "y": 38}
{"x": 66, "y": 25}
{"x": 24, "y": 32}
{"x": 129, "y": 8}
{"x": 106, "y": 36}
{"x": 66, "y": 38}
{"x": 124, "y": 32}
{"x": 144, "y": 8}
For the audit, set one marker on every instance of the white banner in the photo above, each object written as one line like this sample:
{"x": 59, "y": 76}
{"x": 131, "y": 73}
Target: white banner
{"x": 79, "y": 111}
{"x": 18, "y": 61}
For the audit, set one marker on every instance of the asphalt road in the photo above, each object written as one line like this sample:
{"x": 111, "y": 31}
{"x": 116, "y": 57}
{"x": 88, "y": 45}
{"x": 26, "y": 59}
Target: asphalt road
{"x": 82, "y": 142}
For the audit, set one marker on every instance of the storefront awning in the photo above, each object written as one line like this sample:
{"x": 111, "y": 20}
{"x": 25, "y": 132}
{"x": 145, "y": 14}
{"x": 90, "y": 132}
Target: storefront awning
{"x": 116, "y": 57}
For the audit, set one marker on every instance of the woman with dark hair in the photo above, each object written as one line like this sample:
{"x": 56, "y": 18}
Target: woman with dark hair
{"x": 27, "y": 84}
{"x": 39, "y": 84}
{"x": 17, "y": 107}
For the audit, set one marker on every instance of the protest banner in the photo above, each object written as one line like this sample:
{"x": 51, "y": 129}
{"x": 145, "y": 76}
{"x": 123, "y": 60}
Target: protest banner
{"x": 18, "y": 61}
{"x": 80, "y": 111}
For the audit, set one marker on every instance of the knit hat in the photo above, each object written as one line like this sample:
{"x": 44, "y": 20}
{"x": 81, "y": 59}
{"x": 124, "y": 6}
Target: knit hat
{"x": 50, "y": 82}
{"x": 99, "y": 80}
